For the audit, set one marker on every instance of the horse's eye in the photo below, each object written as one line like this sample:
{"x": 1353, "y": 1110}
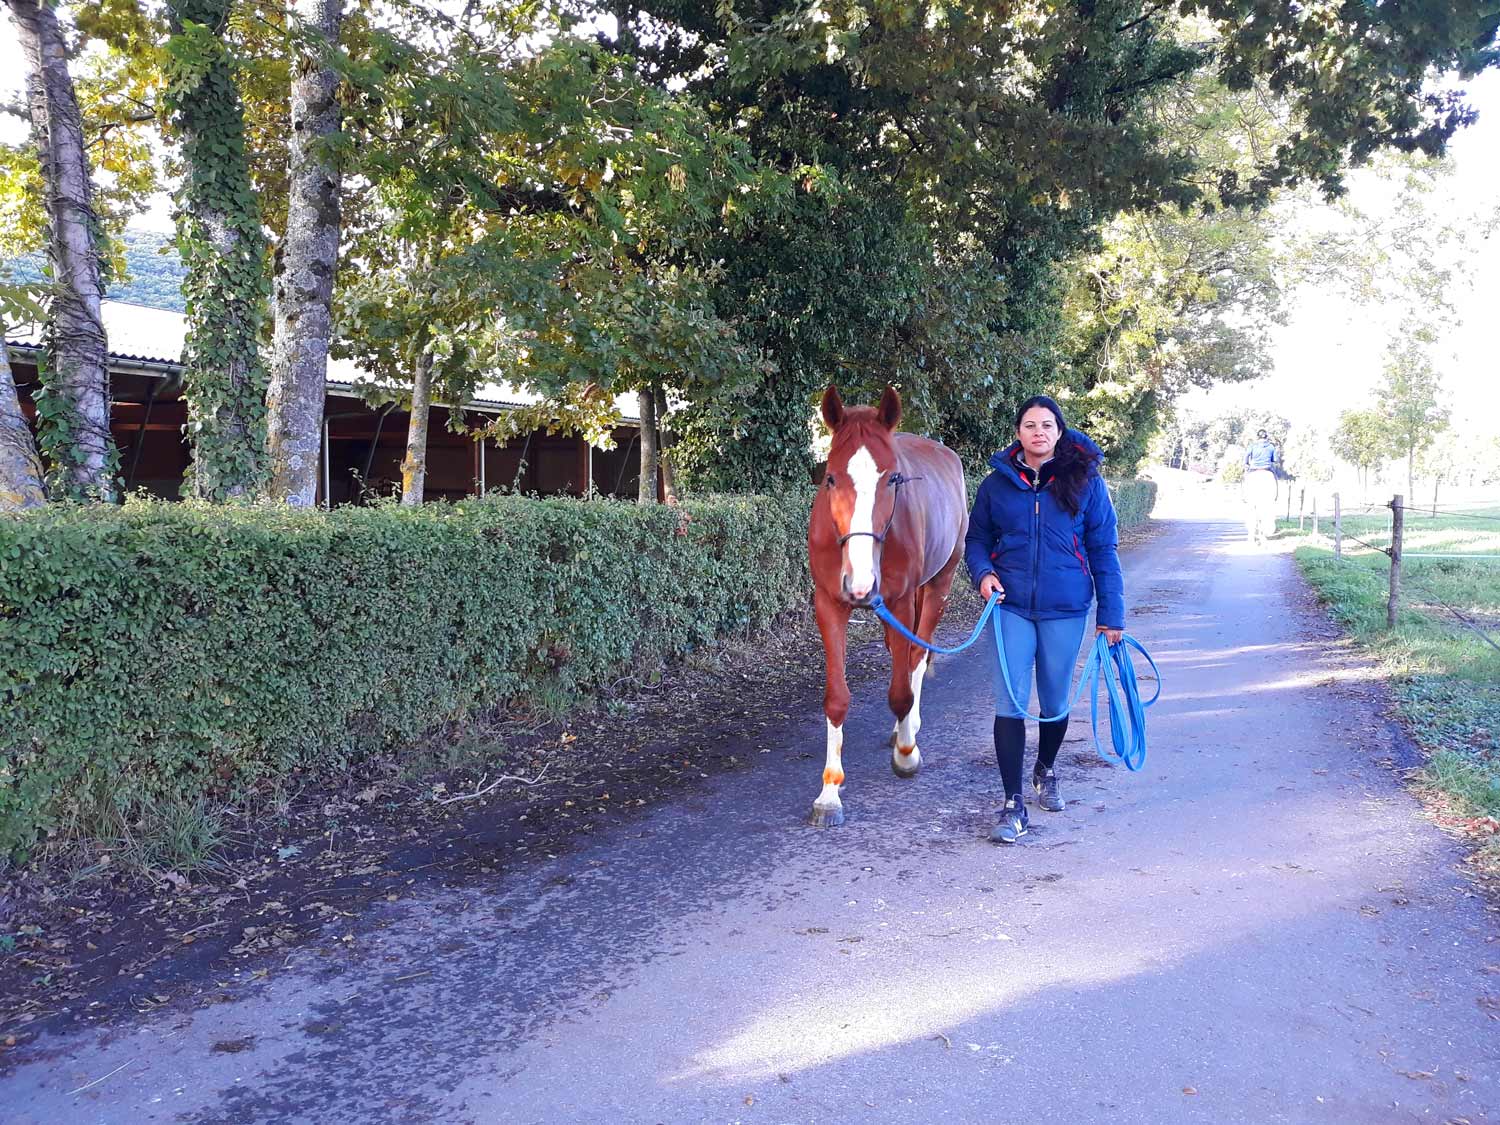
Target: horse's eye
{"x": 830, "y": 480}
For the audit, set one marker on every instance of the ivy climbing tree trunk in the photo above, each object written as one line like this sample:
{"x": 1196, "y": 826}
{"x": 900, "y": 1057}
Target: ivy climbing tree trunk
{"x": 646, "y": 400}
{"x": 74, "y": 402}
{"x": 414, "y": 466}
{"x": 220, "y": 240}
{"x": 305, "y": 266}
{"x": 20, "y": 467}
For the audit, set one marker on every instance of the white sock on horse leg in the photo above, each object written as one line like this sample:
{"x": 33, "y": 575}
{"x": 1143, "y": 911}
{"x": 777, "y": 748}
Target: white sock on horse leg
{"x": 833, "y": 769}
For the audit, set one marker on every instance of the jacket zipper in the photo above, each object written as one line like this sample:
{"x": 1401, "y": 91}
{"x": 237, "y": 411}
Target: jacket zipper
{"x": 1036, "y": 543}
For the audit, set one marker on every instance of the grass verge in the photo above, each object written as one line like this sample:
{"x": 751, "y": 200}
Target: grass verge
{"x": 1444, "y": 674}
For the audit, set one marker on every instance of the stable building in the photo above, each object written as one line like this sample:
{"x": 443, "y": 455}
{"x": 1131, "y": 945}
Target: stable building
{"x": 363, "y": 444}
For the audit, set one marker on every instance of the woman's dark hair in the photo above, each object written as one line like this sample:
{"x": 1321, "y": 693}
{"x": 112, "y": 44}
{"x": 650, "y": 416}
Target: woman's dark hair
{"x": 1072, "y": 462}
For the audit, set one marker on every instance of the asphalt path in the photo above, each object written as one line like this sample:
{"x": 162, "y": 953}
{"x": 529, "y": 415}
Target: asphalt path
{"x": 1258, "y": 927}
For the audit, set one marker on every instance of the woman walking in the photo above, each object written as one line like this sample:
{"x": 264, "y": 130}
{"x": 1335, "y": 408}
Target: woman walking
{"x": 1042, "y": 535}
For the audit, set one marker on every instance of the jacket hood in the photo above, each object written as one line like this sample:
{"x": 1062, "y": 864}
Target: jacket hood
{"x": 1001, "y": 459}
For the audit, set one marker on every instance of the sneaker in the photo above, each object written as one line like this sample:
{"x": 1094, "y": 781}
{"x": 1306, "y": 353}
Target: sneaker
{"x": 1047, "y": 795}
{"x": 1012, "y": 823}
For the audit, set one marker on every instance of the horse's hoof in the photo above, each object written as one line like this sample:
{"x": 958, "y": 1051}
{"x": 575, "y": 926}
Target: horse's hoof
{"x": 826, "y": 818}
{"x": 905, "y": 775}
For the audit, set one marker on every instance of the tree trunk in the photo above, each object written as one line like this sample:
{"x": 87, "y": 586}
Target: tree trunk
{"x": 1411, "y": 459}
{"x": 305, "y": 266}
{"x": 647, "y": 405}
{"x": 220, "y": 239}
{"x": 414, "y": 467}
{"x": 20, "y": 467}
{"x": 75, "y": 400}
{"x": 663, "y": 454}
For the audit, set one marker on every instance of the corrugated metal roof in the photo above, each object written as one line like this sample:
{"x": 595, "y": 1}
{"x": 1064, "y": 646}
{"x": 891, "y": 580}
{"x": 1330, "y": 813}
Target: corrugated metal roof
{"x": 141, "y": 334}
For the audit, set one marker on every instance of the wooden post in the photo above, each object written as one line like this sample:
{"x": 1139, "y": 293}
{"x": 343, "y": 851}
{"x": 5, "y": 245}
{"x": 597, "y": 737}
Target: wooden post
{"x": 1398, "y": 511}
{"x": 1301, "y": 507}
{"x": 1338, "y": 527}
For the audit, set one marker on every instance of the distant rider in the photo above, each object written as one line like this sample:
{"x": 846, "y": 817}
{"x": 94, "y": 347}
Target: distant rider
{"x": 1261, "y": 454}
{"x": 1262, "y": 465}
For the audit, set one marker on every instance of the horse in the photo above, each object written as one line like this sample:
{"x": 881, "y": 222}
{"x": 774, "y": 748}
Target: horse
{"x": 1259, "y": 489}
{"x": 912, "y": 490}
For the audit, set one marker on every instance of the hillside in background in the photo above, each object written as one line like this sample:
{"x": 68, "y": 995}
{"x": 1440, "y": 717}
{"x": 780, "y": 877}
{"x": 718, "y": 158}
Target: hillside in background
{"x": 154, "y": 271}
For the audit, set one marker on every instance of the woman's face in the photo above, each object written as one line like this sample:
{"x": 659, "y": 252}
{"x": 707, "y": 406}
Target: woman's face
{"x": 1038, "y": 432}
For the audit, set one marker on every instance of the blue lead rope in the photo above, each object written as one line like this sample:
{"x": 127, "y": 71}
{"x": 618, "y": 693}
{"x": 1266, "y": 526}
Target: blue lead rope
{"x": 1127, "y": 711}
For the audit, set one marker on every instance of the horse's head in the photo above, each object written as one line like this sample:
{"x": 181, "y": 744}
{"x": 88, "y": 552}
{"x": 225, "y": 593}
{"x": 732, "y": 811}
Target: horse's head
{"x": 859, "y": 483}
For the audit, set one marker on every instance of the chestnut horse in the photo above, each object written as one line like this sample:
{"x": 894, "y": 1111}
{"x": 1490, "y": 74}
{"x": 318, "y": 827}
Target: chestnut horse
{"x": 889, "y": 519}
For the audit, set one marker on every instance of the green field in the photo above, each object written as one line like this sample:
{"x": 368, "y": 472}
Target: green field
{"x": 1446, "y": 677}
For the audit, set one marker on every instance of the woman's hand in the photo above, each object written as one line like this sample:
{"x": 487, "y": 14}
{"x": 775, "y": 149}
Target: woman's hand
{"x": 1112, "y": 635}
{"x": 990, "y": 585}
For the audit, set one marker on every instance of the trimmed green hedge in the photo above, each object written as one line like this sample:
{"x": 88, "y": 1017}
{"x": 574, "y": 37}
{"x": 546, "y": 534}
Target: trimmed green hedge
{"x": 158, "y": 652}
{"x": 1134, "y": 500}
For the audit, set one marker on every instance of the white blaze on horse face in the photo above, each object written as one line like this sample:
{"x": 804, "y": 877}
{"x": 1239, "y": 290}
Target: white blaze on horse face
{"x": 833, "y": 770}
{"x": 861, "y": 548}
{"x": 907, "y": 728}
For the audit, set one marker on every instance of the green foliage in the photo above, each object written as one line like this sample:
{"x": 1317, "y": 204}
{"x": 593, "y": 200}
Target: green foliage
{"x": 224, "y": 250}
{"x": 552, "y": 246}
{"x": 1133, "y": 501}
{"x": 1409, "y": 395}
{"x": 156, "y": 654}
{"x": 1362, "y": 439}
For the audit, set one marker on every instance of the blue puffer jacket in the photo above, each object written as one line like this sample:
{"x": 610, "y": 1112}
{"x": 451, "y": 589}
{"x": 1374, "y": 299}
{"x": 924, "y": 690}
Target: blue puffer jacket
{"x": 1051, "y": 564}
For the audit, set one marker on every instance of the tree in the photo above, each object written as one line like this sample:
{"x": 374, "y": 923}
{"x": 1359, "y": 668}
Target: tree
{"x": 1305, "y": 456}
{"x": 306, "y": 264}
{"x": 536, "y": 218}
{"x": 74, "y": 403}
{"x": 1363, "y": 440}
{"x": 1448, "y": 460}
{"x": 1024, "y": 133}
{"x": 1409, "y": 397}
{"x": 21, "y": 476}
{"x": 22, "y": 480}
{"x": 224, "y": 250}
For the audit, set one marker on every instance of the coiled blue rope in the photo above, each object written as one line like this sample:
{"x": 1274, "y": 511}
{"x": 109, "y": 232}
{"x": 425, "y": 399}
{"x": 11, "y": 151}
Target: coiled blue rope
{"x": 1127, "y": 711}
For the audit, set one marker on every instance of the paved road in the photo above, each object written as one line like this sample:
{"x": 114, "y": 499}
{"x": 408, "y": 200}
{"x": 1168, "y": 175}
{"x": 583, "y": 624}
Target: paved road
{"x": 1258, "y": 928}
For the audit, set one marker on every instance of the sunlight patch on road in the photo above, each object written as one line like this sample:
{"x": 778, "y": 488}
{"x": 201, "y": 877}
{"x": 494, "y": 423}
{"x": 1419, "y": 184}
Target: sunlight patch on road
{"x": 841, "y": 1020}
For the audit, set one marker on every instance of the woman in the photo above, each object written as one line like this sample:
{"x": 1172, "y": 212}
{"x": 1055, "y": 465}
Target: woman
{"x": 1042, "y": 535}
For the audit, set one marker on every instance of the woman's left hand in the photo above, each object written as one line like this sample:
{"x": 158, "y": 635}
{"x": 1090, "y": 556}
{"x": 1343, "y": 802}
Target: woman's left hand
{"x": 1112, "y": 635}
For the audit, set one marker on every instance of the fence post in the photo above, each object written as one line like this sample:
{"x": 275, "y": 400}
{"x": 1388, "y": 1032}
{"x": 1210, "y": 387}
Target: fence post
{"x": 1301, "y": 507}
{"x": 1398, "y": 512}
{"x": 1338, "y": 527}
{"x": 1289, "y": 501}
{"x": 1315, "y": 515}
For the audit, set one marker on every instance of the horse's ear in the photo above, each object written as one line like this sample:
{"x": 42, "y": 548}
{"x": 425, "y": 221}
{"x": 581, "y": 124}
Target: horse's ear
{"x": 889, "y": 412}
{"x": 833, "y": 407}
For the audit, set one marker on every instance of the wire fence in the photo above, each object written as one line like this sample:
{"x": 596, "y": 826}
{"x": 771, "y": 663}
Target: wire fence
{"x": 1480, "y": 512}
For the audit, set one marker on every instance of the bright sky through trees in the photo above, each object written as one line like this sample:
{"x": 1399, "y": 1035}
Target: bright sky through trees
{"x": 1329, "y": 355}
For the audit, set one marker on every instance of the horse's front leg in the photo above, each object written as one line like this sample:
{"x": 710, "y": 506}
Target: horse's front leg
{"x": 908, "y": 664}
{"x": 833, "y": 623}
{"x": 932, "y": 601}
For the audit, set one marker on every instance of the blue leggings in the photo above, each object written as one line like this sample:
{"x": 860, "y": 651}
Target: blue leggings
{"x": 1052, "y": 646}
